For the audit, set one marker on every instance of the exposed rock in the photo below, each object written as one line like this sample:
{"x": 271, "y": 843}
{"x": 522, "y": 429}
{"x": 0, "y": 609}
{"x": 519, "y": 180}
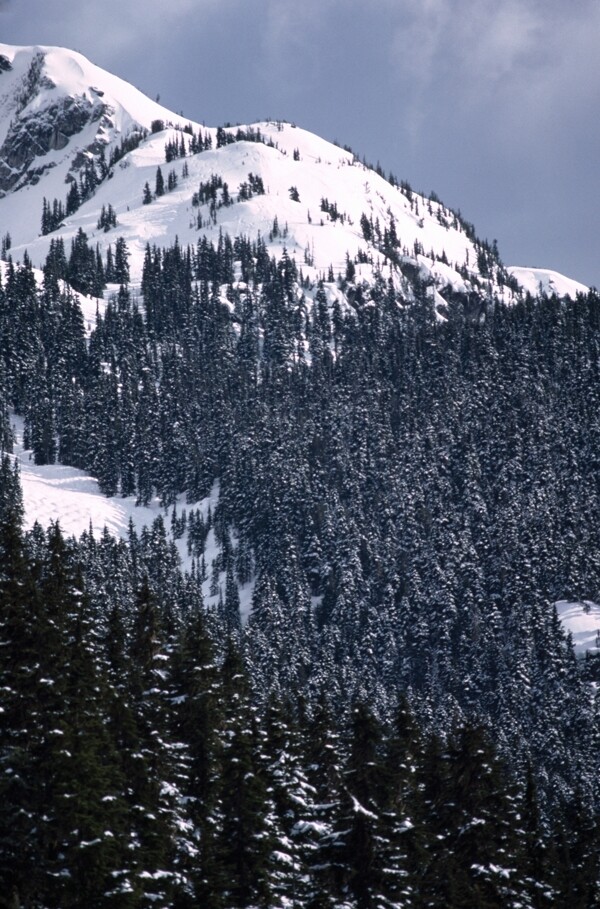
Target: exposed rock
{"x": 32, "y": 136}
{"x": 33, "y": 176}
{"x": 32, "y": 82}
{"x": 5, "y": 64}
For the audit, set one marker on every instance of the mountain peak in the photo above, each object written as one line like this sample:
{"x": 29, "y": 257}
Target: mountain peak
{"x": 65, "y": 122}
{"x": 54, "y": 103}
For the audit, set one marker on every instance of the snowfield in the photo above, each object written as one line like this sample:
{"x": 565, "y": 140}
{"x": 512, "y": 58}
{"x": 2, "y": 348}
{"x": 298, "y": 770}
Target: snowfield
{"x": 430, "y": 236}
{"x": 544, "y": 281}
{"x": 54, "y": 492}
{"x": 582, "y": 620}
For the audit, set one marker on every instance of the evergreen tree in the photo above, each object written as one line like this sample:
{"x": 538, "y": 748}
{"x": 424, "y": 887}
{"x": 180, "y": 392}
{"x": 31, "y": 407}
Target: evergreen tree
{"x": 159, "y": 185}
{"x": 472, "y": 856}
{"x": 245, "y": 838}
{"x": 360, "y": 822}
{"x": 121, "y": 268}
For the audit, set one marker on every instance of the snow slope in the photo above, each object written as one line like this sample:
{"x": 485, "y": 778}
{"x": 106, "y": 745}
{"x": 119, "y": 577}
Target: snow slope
{"x": 40, "y": 81}
{"x": 544, "y": 281}
{"x": 323, "y": 172}
{"x": 66, "y": 72}
{"x": 53, "y": 492}
{"x": 582, "y": 620}
{"x": 433, "y": 242}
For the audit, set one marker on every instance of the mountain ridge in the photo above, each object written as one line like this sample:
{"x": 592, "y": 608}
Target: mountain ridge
{"x": 318, "y": 201}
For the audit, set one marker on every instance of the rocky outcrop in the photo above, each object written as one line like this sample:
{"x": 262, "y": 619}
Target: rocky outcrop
{"x": 33, "y": 136}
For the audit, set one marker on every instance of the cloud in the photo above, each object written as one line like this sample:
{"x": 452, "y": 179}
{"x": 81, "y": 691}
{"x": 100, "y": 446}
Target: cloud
{"x": 487, "y": 43}
{"x": 528, "y": 61}
{"x": 108, "y": 29}
{"x": 432, "y": 45}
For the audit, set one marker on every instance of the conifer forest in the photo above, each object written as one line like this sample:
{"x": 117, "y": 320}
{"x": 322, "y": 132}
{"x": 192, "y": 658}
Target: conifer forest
{"x": 400, "y": 722}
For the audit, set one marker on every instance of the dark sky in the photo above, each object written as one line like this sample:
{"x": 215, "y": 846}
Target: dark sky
{"x": 494, "y": 105}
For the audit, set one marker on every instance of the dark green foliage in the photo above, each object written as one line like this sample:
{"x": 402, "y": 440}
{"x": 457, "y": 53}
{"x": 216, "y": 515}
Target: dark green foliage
{"x": 224, "y": 138}
{"x": 107, "y": 219}
{"x": 85, "y": 270}
{"x": 5, "y": 245}
{"x": 127, "y": 144}
{"x": 360, "y": 858}
{"x": 472, "y": 852}
{"x": 208, "y": 194}
{"x": 73, "y": 199}
{"x": 366, "y": 227}
{"x": 246, "y": 839}
{"x": 332, "y": 210}
{"x": 171, "y": 180}
{"x": 251, "y": 134}
{"x": 121, "y": 266}
{"x": 200, "y": 142}
{"x": 408, "y": 496}
{"x": 135, "y": 769}
{"x": 63, "y": 810}
{"x": 52, "y": 215}
{"x": 254, "y": 186}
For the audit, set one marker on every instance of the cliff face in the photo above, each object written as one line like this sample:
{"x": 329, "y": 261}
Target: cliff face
{"x": 32, "y": 137}
{"x": 33, "y": 132}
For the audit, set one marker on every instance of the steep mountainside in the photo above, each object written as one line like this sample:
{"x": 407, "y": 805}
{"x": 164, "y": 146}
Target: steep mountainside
{"x": 65, "y": 123}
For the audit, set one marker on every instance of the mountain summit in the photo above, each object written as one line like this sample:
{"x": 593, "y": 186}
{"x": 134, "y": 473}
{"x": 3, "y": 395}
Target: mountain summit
{"x": 76, "y": 141}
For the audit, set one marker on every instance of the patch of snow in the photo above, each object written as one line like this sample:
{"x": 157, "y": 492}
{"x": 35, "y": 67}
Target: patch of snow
{"x": 582, "y": 620}
{"x": 55, "y": 492}
{"x": 545, "y": 281}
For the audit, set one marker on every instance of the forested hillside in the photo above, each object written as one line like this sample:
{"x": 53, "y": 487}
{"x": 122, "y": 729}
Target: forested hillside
{"x": 323, "y": 667}
{"x": 401, "y": 719}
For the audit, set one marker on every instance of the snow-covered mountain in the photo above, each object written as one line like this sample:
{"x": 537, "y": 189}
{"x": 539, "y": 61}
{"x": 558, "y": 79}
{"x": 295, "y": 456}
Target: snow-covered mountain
{"x": 62, "y": 118}
{"x": 60, "y": 115}
{"x": 545, "y": 281}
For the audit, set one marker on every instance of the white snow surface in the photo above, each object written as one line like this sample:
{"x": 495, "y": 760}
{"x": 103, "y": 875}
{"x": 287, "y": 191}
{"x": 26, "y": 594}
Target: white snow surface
{"x": 68, "y": 73}
{"x": 425, "y": 228}
{"x": 54, "y": 492}
{"x": 582, "y": 620}
{"x": 547, "y": 282}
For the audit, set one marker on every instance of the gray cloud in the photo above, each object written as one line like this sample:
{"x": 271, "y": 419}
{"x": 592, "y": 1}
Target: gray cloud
{"x": 480, "y": 53}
